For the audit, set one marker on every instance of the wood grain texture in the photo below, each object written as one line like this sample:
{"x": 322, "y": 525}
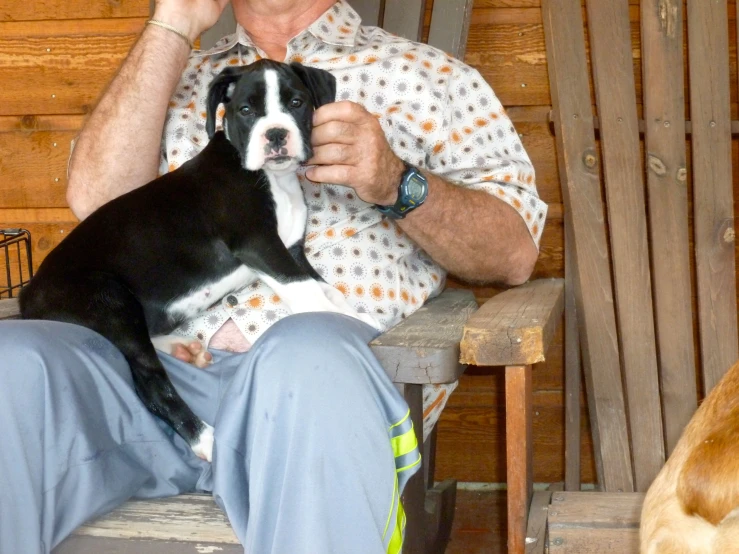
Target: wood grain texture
{"x": 60, "y": 67}
{"x": 595, "y": 509}
{"x": 38, "y": 162}
{"x": 713, "y": 213}
{"x": 536, "y": 527}
{"x": 584, "y": 205}
{"x": 664, "y": 122}
{"x": 19, "y": 10}
{"x": 424, "y": 348}
{"x": 519, "y": 453}
{"x": 514, "y": 327}
{"x": 573, "y": 373}
{"x": 185, "y": 518}
{"x": 609, "y": 31}
{"x": 9, "y": 308}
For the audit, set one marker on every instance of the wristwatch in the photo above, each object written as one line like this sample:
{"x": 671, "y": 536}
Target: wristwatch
{"x": 412, "y": 192}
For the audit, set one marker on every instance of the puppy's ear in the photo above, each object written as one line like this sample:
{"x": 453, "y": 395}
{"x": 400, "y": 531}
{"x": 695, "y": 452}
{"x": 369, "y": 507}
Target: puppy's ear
{"x": 219, "y": 94}
{"x": 319, "y": 82}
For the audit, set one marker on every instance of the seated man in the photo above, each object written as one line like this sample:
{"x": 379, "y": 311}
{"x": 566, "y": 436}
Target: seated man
{"x": 305, "y": 418}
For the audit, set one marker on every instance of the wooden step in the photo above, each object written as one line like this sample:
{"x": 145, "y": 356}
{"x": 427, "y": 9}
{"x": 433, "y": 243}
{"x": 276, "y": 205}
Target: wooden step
{"x": 587, "y": 522}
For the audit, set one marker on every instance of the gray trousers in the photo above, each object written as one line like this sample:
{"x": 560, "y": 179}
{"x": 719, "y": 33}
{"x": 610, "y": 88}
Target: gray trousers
{"x": 313, "y": 444}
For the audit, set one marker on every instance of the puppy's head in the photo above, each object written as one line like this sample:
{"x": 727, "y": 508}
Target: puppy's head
{"x": 269, "y": 111}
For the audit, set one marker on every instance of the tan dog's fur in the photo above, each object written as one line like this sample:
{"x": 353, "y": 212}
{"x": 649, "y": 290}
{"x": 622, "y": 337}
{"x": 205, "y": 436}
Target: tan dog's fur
{"x": 693, "y": 505}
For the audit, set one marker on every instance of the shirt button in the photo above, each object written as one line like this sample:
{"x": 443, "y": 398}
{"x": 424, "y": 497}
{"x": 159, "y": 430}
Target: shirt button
{"x": 232, "y": 300}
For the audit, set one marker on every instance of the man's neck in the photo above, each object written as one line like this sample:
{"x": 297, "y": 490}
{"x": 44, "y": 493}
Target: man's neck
{"x": 272, "y": 23}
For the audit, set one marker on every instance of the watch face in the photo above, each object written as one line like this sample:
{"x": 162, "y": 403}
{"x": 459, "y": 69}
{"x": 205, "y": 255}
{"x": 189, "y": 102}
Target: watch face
{"x": 416, "y": 187}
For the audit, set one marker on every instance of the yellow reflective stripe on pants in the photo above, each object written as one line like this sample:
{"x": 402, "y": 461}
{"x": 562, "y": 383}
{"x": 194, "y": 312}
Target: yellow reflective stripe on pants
{"x": 396, "y": 539}
{"x": 404, "y": 443}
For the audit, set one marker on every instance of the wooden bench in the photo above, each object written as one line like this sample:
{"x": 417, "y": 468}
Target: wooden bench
{"x": 649, "y": 227}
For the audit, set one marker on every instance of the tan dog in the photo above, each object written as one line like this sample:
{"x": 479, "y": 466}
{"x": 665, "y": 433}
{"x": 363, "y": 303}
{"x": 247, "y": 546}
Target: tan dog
{"x": 693, "y": 505}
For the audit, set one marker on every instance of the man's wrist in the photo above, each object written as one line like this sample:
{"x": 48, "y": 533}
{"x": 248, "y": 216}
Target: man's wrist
{"x": 395, "y": 175}
{"x": 183, "y": 23}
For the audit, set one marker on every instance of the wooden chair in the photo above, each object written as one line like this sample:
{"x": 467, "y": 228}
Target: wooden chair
{"x": 512, "y": 330}
{"x": 637, "y": 328}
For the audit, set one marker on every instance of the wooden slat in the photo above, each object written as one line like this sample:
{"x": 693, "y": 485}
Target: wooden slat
{"x": 519, "y": 452}
{"x": 185, "y": 518}
{"x": 608, "y": 24}
{"x": 536, "y": 527}
{"x": 584, "y": 204}
{"x": 9, "y": 308}
{"x": 514, "y": 327}
{"x": 450, "y": 24}
{"x": 664, "y": 116}
{"x": 596, "y": 509}
{"x": 34, "y": 169}
{"x": 404, "y": 18}
{"x": 573, "y": 373}
{"x": 708, "y": 43}
{"x": 424, "y": 348}
{"x": 602, "y": 541}
{"x": 19, "y": 10}
{"x": 60, "y": 67}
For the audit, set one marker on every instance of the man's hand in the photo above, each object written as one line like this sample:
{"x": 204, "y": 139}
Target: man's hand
{"x": 192, "y": 353}
{"x": 192, "y": 17}
{"x": 350, "y": 148}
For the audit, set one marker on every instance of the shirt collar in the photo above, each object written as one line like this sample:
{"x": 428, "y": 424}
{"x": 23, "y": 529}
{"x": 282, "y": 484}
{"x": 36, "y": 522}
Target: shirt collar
{"x": 338, "y": 25}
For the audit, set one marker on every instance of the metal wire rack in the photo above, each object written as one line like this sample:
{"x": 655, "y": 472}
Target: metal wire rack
{"x": 15, "y": 251}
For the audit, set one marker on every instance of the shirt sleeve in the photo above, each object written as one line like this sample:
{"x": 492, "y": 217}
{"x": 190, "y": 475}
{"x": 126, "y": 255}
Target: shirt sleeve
{"x": 479, "y": 148}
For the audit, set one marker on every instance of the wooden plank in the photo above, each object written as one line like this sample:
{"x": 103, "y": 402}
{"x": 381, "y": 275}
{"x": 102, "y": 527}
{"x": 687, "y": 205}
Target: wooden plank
{"x": 56, "y": 122}
{"x": 76, "y": 544}
{"x": 34, "y": 169}
{"x": 185, "y": 518}
{"x": 19, "y": 10}
{"x": 584, "y": 204}
{"x": 60, "y": 67}
{"x": 450, "y": 25}
{"x": 415, "y": 489}
{"x": 519, "y": 453}
{"x": 516, "y": 326}
{"x": 664, "y": 116}
{"x": 602, "y": 541}
{"x": 609, "y": 31}
{"x": 404, "y": 18}
{"x": 595, "y": 509}
{"x": 424, "y": 347}
{"x": 9, "y": 308}
{"x": 536, "y": 528}
{"x": 708, "y": 43}
{"x": 573, "y": 373}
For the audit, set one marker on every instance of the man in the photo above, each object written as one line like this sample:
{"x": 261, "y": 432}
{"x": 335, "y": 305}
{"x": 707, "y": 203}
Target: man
{"x": 313, "y": 443}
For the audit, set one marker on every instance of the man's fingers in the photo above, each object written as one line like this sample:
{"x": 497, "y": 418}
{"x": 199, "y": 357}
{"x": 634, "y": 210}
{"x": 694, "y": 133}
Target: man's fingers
{"x": 333, "y": 154}
{"x": 336, "y": 174}
{"x": 333, "y": 132}
{"x": 347, "y": 111}
{"x": 181, "y": 352}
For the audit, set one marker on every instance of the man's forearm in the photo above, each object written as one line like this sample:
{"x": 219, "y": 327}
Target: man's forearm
{"x": 118, "y": 148}
{"x": 455, "y": 227}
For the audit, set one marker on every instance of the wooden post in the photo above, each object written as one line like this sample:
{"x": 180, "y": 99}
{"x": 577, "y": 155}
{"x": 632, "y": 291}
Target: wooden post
{"x": 519, "y": 453}
{"x": 414, "y": 493}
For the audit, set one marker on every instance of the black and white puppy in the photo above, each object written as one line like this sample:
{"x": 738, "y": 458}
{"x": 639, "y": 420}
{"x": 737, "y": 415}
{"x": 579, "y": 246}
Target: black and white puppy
{"x": 149, "y": 260}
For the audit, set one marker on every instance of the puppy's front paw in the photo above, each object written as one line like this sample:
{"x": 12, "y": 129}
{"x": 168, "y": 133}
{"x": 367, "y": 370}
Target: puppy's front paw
{"x": 203, "y": 448}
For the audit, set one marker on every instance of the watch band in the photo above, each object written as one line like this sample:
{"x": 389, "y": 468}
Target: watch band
{"x": 412, "y": 192}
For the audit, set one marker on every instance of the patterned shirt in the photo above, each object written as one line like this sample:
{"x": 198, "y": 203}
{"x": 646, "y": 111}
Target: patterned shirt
{"x": 437, "y": 113}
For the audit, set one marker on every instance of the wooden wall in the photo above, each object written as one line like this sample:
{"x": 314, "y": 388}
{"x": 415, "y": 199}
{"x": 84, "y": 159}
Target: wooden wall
{"x": 56, "y": 57}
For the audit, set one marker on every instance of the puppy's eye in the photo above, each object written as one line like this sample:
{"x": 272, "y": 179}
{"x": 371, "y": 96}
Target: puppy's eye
{"x": 245, "y": 110}
{"x": 296, "y": 103}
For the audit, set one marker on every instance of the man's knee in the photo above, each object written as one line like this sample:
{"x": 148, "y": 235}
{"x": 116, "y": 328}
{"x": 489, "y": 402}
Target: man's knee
{"x": 316, "y": 348}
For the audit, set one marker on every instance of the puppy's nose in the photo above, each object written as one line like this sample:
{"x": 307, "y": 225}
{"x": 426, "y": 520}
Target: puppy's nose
{"x": 276, "y": 136}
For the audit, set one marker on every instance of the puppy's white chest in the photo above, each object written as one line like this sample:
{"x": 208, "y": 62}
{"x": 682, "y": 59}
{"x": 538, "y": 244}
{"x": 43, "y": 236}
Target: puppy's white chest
{"x": 289, "y": 207}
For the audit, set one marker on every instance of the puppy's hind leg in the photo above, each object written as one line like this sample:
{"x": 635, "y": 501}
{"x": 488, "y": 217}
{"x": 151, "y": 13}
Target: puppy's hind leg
{"x": 119, "y": 317}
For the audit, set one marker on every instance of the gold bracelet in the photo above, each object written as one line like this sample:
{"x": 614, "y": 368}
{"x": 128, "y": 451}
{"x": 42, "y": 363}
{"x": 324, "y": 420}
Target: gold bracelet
{"x": 173, "y": 29}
